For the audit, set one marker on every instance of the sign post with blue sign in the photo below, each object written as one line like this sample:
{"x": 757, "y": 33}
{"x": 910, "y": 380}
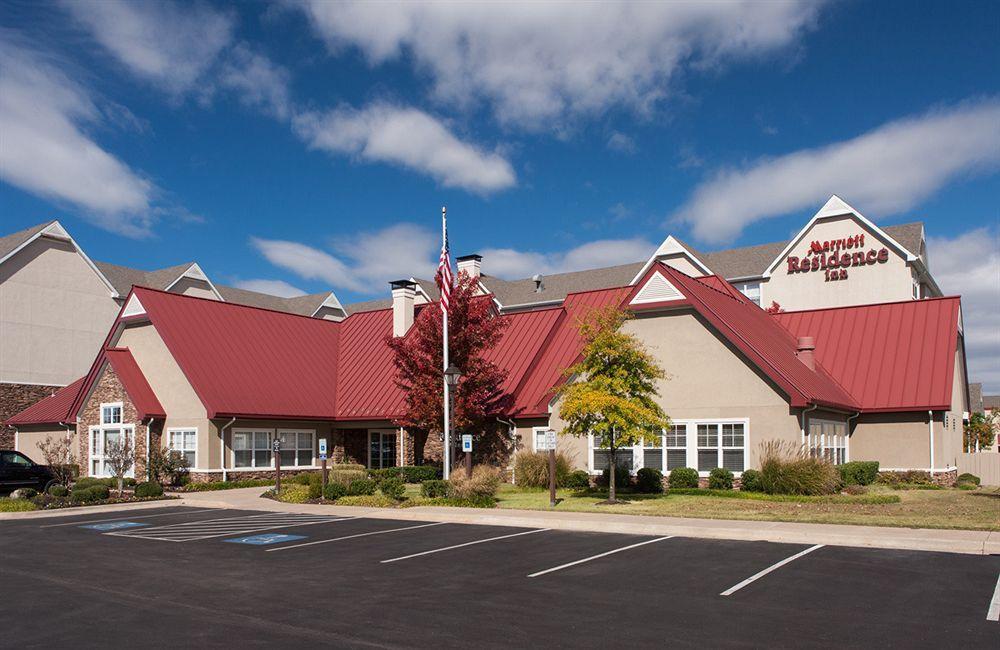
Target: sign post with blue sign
{"x": 467, "y": 448}
{"x": 322, "y": 460}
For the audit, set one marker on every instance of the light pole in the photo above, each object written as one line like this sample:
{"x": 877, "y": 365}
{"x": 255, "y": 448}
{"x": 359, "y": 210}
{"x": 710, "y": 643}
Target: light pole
{"x": 451, "y": 377}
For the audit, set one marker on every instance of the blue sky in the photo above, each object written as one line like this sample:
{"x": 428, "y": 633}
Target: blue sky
{"x": 308, "y": 146}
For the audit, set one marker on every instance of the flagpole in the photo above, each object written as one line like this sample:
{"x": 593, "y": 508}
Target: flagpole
{"x": 447, "y": 401}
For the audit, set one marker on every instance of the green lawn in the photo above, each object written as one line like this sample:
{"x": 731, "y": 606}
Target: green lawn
{"x": 950, "y": 508}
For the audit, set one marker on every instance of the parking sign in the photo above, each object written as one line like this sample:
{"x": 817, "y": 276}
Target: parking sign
{"x": 466, "y": 442}
{"x": 550, "y": 439}
{"x": 322, "y": 448}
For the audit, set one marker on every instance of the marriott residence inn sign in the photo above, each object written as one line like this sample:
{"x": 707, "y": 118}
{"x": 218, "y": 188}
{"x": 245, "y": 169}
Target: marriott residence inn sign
{"x": 835, "y": 256}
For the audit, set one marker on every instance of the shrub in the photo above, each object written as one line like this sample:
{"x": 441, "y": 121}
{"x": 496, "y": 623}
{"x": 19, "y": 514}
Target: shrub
{"x": 858, "y": 472}
{"x": 913, "y": 477}
{"x": 484, "y": 482}
{"x": 623, "y": 475}
{"x": 578, "y": 480}
{"x": 788, "y": 468}
{"x": 854, "y": 488}
{"x": 86, "y": 482}
{"x": 968, "y": 478}
{"x": 720, "y": 478}
{"x": 367, "y": 501}
{"x": 58, "y": 491}
{"x": 393, "y": 488}
{"x": 347, "y": 476}
{"x": 167, "y": 466}
{"x": 212, "y": 486}
{"x": 649, "y": 480}
{"x": 315, "y": 485}
{"x": 420, "y": 473}
{"x": 294, "y": 493}
{"x": 379, "y": 475}
{"x": 531, "y": 468}
{"x": 23, "y": 493}
{"x": 299, "y": 479}
{"x": 750, "y": 481}
{"x": 90, "y": 494}
{"x": 361, "y": 487}
{"x": 149, "y": 489}
{"x": 968, "y": 485}
{"x": 334, "y": 491}
{"x": 16, "y": 505}
{"x": 683, "y": 477}
{"x": 434, "y": 488}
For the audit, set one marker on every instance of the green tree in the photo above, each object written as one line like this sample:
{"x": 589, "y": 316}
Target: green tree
{"x": 613, "y": 395}
{"x": 981, "y": 431}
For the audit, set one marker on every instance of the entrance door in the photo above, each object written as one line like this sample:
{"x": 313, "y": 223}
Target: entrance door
{"x": 381, "y": 449}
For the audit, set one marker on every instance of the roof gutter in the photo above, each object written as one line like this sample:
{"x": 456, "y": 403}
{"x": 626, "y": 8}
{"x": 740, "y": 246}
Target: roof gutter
{"x": 222, "y": 447}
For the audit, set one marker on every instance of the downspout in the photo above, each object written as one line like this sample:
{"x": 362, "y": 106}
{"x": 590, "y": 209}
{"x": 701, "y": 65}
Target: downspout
{"x": 69, "y": 437}
{"x": 513, "y": 438}
{"x": 847, "y": 441}
{"x": 802, "y": 422}
{"x": 222, "y": 447}
{"x": 149, "y": 424}
{"x": 930, "y": 430}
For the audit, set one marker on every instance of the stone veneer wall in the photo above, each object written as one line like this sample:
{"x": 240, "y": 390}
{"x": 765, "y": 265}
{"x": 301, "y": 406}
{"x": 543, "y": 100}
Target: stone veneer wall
{"x": 109, "y": 388}
{"x": 14, "y": 398}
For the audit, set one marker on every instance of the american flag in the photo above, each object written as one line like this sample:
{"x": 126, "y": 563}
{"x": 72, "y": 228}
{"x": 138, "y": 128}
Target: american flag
{"x": 444, "y": 277}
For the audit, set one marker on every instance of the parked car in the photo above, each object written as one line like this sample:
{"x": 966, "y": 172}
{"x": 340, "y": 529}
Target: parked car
{"x": 18, "y": 471}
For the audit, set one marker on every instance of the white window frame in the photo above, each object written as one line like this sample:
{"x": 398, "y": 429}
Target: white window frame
{"x": 253, "y": 456}
{"x": 100, "y": 431}
{"x": 691, "y": 445}
{"x": 819, "y": 444}
{"x": 312, "y": 447}
{"x": 744, "y": 287}
{"x": 121, "y": 413}
{"x": 534, "y": 436}
{"x": 170, "y": 434}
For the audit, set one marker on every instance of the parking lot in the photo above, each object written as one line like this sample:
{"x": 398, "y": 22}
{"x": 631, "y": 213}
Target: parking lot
{"x": 208, "y": 577}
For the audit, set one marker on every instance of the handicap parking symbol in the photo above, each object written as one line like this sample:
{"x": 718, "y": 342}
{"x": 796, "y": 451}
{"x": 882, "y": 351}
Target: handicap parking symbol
{"x": 113, "y": 525}
{"x": 265, "y": 539}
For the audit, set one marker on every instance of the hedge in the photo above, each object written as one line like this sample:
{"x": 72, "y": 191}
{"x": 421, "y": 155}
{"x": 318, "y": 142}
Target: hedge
{"x": 858, "y": 472}
{"x": 683, "y": 477}
{"x": 434, "y": 489}
{"x": 720, "y": 478}
{"x": 361, "y": 487}
{"x": 227, "y": 485}
{"x": 150, "y": 489}
{"x": 750, "y": 481}
{"x": 861, "y": 499}
{"x": 90, "y": 494}
{"x": 578, "y": 480}
{"x": 392, "y": 487}
{"x": 649, "y": 480}
{"x": 968, "y": 478}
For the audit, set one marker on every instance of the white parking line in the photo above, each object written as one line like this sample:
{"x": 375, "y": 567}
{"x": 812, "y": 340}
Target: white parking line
{"x": 761, "y": 574}
{"x": 226, "y": 526}
{"x": 98, "y": 521}
{"x": 478, "y": 541}
{"x": 595, "y": 557}
{"x": 338, "y": 539}
{"x": 993, "y": 613}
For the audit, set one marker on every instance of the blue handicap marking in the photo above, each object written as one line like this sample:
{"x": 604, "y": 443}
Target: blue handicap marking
{"x": 114, "y": 525}
{"x": 266, "y": 538}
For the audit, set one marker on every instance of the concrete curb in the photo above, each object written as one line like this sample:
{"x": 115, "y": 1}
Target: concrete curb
{"x": 85, "y": 510}
{"x": 973, "y": 542}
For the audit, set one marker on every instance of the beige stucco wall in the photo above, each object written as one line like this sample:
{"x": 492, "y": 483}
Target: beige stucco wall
{"x": 28, "y": 438}
{"x": 54, "y": 314}
{"x": 871, "y": 283}
{"x": 193, "y": 287}
{"x": 684, "y": 265}
{"x": 706, "y": 379}
{"x": 896, "y": 440}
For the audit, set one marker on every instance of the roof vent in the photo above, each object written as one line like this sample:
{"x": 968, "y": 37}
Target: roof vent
{"x": 537, "y": 279}
{"x": 805, "y": 349}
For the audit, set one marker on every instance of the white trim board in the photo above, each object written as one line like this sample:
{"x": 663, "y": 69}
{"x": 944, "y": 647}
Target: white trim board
{"x": 670, "y": 247}
{"x": 194, "y": 272}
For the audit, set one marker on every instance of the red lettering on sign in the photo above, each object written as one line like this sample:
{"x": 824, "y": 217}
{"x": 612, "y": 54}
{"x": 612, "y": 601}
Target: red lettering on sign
{"x": 828, "y": 257}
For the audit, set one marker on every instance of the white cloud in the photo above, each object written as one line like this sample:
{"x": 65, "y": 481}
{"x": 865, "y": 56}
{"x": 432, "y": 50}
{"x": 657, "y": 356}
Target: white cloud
{"x": 969, "y": 265}
{"x": 164, "y": 42}
{"x": 886, "y": 171}
{"x": 45, "y": 150}
{"x": 271, "y": 287}
{"x": 621, "y": 143}
{"x": 364, "y": 262}
{"x": 409, "y": 138}
{"x": 509, "y": 263}
{"x": 259, "y": 82}
{"x": 539, "y": 62}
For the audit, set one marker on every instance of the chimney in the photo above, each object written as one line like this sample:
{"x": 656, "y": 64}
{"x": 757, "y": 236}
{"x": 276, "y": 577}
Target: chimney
{"x": 472, "y": 265}
{"x": 403, "y": 294}
{"x": 804, "y": 351}
{"x": 539, "y": 286}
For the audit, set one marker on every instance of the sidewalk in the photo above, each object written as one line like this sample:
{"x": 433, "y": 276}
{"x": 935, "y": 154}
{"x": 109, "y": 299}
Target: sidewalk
{"x": 917, "y": 539}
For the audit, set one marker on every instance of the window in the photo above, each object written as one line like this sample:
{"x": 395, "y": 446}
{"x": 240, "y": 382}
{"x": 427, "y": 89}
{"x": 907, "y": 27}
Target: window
{"x": 751, "y": 290}
{"x": 381, "y": 449}
{"x": 652, "y": 454}
{"x": 721, "y": 445}
{"x": 602, "y": 457}
{"x": 708, "y": 447}
{"x": 252, "y": 449}
{"x": 732, "y": 447}
{"x": 296, "y": 448}
{"x": 676, "y": 443}
{"x": 15, "y": 458}
{"x": 538, "y": 438}
{"x": 185, "y": 442}
{"x": 111, "y": 413}
{"x": 828, "y": 439}
{"x": 101, "y": 440}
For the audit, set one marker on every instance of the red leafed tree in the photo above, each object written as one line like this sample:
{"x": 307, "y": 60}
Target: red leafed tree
{"x": 473, "y": 329}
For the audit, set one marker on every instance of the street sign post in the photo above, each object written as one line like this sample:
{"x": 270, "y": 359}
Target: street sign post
{"x": 467, "y": 448}
{"x": 276, "y": 448}
{"x": 550, "y": 442}
{"x": 322, "y": 460}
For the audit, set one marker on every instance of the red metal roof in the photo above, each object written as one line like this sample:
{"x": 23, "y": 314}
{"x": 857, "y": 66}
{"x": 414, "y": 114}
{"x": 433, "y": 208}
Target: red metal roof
{"x": 54, "y": 408}
{"x": 561, "y": 351}
{"x": 366, "y": 387}
{"x": 767, "y": 345}
{"x": 891, "y": 357}
{"x": 248, "y": 361}
{"x": 522, "y": 340}
{"x": 135, "y": 383}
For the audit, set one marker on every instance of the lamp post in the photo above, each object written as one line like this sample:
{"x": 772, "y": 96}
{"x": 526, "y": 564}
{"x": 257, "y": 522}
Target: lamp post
{"x": 451, "y": 376}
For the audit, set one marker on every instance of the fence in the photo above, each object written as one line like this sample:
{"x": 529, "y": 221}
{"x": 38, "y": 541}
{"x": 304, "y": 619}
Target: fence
{"x": 985, "y": 465}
